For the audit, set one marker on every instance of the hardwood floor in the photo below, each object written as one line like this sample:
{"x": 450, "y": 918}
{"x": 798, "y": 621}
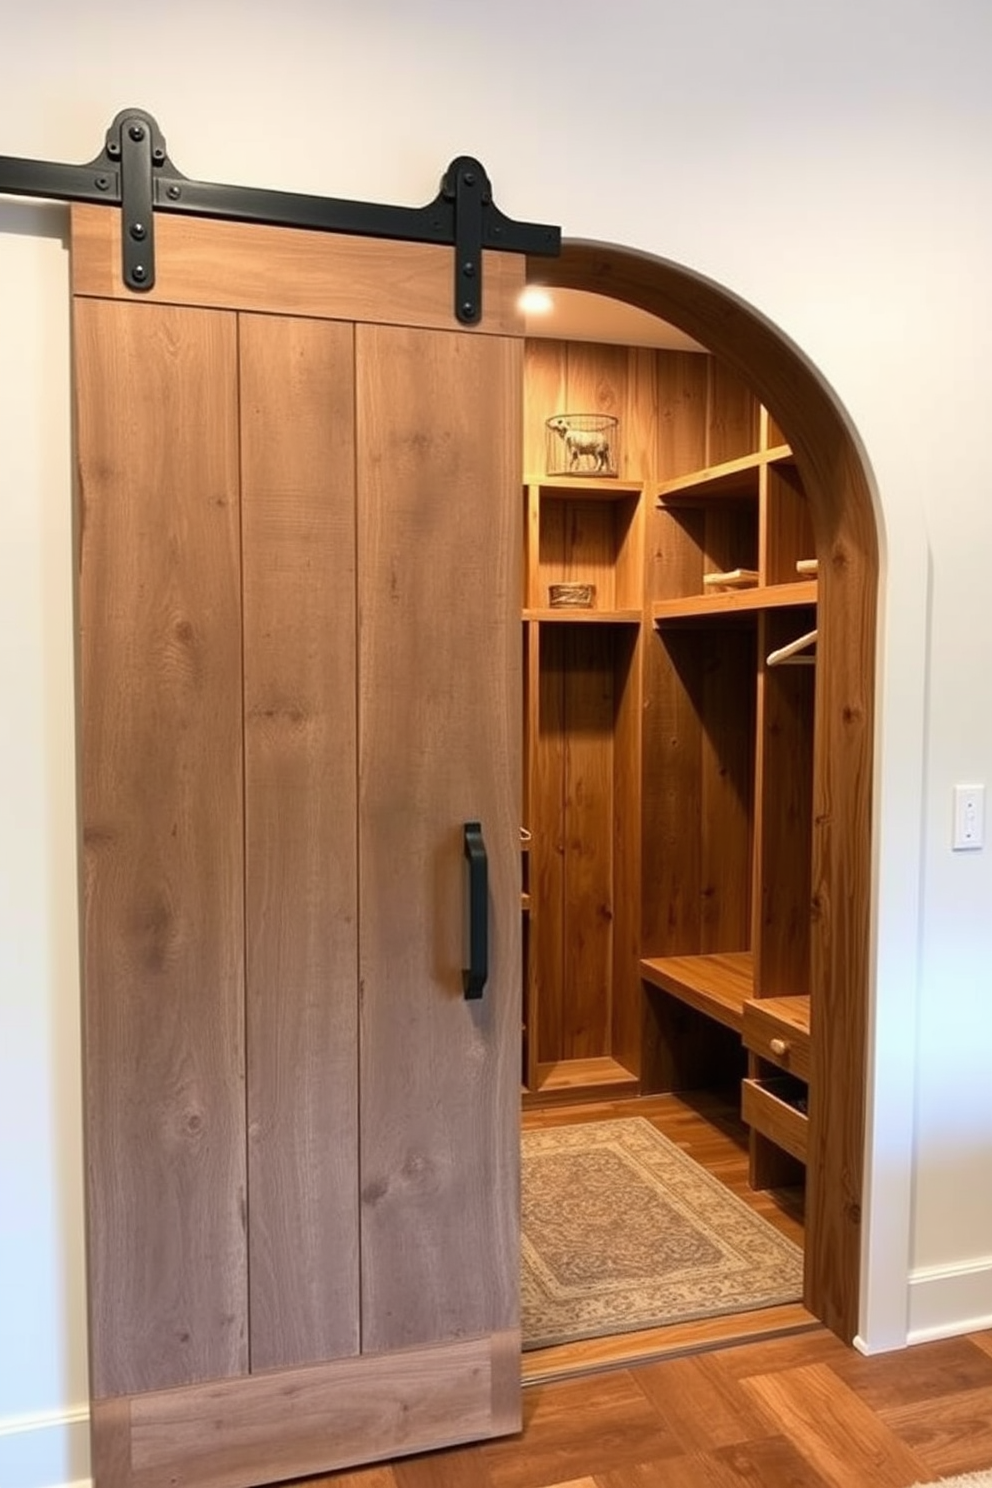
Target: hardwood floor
{"x": 794, "y": 1411}
{"x": 801, "y": 1412}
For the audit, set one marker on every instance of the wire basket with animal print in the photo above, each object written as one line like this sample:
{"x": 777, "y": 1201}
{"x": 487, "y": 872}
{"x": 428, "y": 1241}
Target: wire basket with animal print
{"x": 582, "y": 444}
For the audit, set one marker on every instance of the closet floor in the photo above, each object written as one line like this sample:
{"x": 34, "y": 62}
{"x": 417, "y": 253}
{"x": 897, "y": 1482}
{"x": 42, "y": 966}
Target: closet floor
{"x": 708, "y": 1128}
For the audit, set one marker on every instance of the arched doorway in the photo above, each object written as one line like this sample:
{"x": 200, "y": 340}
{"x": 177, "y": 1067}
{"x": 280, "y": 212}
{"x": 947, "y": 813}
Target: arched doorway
{"x": 838, "y": 491}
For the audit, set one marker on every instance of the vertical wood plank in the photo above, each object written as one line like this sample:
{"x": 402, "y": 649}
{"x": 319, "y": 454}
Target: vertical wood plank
{"x": 439, "y": 544}
{"x": 626, "y": 1009}
{"x": 531, "y": 928}
{"x": 163, "y": 925}
{"x": 591, "y": 548}
{"x": 789, "y": 529}
{"x": 672, "y": 796}
{"x": 639, "y": 418}
{"x": 784, "y": 814}
{"x": 545, "y": 373}
{"x": 629, "y": 526}
{"x": 298, "y": 503}
{"x": 727, "y": 697}
{"x": 588, "y": 832}
{"x": 548, "y": 846}
{"x": 683, "y": 379}
{"x": 598, "y": 383}
{"x": 730, "y": 537}
{"x": 532, "y": 595}
{"x": 733, "y": 415}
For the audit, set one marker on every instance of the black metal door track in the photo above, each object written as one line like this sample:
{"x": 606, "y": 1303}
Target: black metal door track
{"x": 133, "y": 171}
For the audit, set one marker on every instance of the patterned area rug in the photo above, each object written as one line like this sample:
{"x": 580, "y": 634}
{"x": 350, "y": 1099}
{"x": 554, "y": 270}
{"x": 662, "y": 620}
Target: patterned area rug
{"x": 621, "y": 1230}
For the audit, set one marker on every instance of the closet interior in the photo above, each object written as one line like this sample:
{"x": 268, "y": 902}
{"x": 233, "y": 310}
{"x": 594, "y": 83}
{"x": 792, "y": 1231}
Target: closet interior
{"x": 668, "y": 750}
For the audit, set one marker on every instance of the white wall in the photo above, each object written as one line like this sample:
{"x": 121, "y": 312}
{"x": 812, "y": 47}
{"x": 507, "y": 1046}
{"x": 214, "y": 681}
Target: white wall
{"x": 828, "y": 163}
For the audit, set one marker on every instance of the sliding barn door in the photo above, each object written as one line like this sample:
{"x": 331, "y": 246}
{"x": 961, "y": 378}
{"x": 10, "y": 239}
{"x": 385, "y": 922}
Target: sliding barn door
{"x": 299, "y": 611}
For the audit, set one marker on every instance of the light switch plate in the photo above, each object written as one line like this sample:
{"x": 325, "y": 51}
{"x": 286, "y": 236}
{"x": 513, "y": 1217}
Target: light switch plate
{"x": 969, "y": 818}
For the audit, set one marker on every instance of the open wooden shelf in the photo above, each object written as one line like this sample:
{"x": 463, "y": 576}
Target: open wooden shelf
{"x": 717, "y": 985}
{"x": 731, "y": 478}
{"x": 565, "y": 616}
{"x": 735, "y": 602}
{"x": 595, "y": 487}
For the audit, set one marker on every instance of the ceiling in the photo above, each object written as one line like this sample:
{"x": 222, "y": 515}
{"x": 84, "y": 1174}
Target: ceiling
{"x": 579, "y": 316}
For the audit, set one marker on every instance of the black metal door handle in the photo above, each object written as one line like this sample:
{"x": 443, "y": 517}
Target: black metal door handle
{"x": 476, "y": 974}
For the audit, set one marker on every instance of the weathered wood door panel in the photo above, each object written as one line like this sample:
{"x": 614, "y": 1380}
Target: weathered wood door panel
{"x": 440, "y": 729}
{"x": 300, "y": 678}
{"x": 160, "y": 656}
{"x": 301, "y": 849}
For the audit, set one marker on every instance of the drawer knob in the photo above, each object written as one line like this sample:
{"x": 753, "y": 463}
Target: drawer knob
{"x": 779, "y": 1046}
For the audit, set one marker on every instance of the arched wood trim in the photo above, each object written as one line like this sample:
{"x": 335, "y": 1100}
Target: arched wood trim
{"x": 839, "y": 494}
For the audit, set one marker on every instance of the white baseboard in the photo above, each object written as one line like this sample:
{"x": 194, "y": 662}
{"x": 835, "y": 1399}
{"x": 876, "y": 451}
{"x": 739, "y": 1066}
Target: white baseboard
{"x": 946, "y": 1301}
{"x": 48, "y": 1450}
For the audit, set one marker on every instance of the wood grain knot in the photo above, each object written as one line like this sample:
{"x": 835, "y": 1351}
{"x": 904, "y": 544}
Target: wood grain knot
{"x": 153, "y": 928}
{"x": 375, "y": 1191}
{"x": 419, "y": 1168}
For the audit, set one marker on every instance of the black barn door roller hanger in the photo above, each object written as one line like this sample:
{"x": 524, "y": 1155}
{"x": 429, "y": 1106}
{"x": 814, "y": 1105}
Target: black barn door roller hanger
{"x": 133, "y": 171}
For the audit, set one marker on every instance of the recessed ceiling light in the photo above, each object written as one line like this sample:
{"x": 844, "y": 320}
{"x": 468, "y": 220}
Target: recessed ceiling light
{"x": 535, "y": 300}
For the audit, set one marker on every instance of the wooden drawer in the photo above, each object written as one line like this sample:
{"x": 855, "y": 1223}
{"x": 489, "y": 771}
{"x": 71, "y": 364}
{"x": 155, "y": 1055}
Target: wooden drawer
{"x": 777, "y": 1028}
{"x": 763, "y": 1108}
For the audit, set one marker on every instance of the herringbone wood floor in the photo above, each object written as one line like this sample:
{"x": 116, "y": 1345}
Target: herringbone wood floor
{"x": 801, "y": 1412}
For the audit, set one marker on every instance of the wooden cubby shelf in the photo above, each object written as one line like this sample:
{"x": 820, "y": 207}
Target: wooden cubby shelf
{"x": 716, "y": 985}
{"x": 584, "y": 617}
{"x": 735, "y": 602}
{"x": 592, "y": 488}
{"x": 729, "y": 479}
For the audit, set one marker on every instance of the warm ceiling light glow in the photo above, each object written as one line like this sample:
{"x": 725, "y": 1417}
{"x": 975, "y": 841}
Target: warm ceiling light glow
{"x": 535, "y": 300}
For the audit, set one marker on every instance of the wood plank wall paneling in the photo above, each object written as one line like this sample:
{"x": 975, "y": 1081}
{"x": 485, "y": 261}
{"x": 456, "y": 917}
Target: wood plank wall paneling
{"x": 588, "y": 747}
{"x": 730, "y": 537}
{"x": 598, "y": 382}
{"x": 548, "y": 845}
{"x": 733, "y": 415}
{"x": 578, "y": 542}
{"x": 784, "y": 784}
{"x": 671, "y": 798}
{"x": 698, "y": 792}
{"x": 160, "y": 617}
{"x": 439, "y": 1075}
{"x": 789, "y": 535}
{"x": 546, "y": 394}
{"x": 727, "y": 699}
{"x": 641, "y": 413}
{"x": 298, "y": 502}
{"x": 683, "y": 389}
{"x": 626, "y": 1011}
